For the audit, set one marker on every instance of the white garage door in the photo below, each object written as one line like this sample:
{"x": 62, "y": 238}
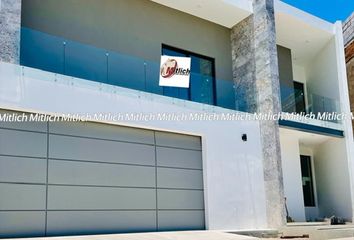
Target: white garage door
{"x": 86, "y": 178}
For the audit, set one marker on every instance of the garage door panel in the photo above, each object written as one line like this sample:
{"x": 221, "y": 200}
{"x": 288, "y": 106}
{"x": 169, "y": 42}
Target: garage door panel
{"x": 74, "y": 148}
{"x": 178, "y": 140}
{"x": 22, "y": 197}
{"x": 28, "y": 126}
{"x": 84, "y": 222}
{"x": 172, "y": 157}
{"x": 100, "y": 174}
{"x": 180, "y": 199}
{"x": 101, "y": 179}
{"x": 22, "y": 143}
{"x": 22, "y": 224}
{"x": 24, "y": 125}
{"x": 180, "y": 220}
{"x": 22, "y": 169}
{"x": 179, "y": 178}
{"x": 103, "y": 131}
{"x": 98, "y": 198}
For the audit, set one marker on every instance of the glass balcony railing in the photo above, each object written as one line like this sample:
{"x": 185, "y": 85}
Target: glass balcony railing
{"x": 295, "y": 101}
{"x": 58, "y": 55}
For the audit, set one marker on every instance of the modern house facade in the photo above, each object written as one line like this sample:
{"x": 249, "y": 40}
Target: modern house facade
{"x": 121, "y": 174}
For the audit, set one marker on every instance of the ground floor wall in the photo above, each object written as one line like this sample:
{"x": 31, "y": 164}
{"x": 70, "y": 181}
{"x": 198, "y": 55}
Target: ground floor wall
{"x": 333, "y": 180}
{"x": 290, "y": 153}
{"x": 234, "y": 194}
{"x": 330, "y": 175}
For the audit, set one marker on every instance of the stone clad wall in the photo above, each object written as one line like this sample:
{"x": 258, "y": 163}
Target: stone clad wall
{"x": 256, "y": 74}
{"x": 242, "y": 43}
{"x": 350, "y": 75}
{"x": 10, "y": 27}
{"x": 348, "y": 30}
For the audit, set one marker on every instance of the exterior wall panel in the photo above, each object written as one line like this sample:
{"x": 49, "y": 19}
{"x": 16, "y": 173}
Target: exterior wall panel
{"x": 28, "y": 126}
{"x": 32, "y": 144}
{"x": 179, "y": 178}
{"x": 100, "y": 174}
{"x": 22, "y": 169}
{"x": 95, "y": 222}
{"x": 180, "y": 199}
{"x": 100, "y": 198}
{"x": 180, "y": 220}
{"x": 22, "y": 224}
{"x": 73, "y": 148}
{"x": 171, "y": 157}
{"x": 22, "y": 197}
{"x": 178, "y": 141}
{"x": 103, "y": 131}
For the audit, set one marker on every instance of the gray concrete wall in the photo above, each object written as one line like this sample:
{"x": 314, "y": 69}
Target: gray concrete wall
{"x": 134, "y": 27}
{"x": 10, "y": 23}
{"x": 286, "y": 79}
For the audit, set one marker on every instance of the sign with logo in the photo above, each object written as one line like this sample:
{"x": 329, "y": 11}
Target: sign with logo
{"x": 175, "y": 71}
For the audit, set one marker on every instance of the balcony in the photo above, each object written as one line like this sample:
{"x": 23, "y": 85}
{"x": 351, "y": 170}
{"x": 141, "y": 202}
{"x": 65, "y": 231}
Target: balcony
{"x": 100, "y": 66}
{"x": 309, "y": 111}
{"x": 317, "y": 113}
{"x": 297, "y": 101}
{"x": 62, "y": 56}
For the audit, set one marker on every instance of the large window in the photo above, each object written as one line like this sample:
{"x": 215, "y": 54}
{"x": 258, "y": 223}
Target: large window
{"x": 307, "y": 181}
{"x": 202, "y": 81}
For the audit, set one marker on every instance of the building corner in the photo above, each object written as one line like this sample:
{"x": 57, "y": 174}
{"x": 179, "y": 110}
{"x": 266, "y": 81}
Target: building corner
{"x": 345, "y": 50}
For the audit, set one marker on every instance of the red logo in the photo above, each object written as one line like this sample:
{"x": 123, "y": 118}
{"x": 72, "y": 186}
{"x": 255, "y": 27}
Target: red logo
{"x": 168, "y": 69}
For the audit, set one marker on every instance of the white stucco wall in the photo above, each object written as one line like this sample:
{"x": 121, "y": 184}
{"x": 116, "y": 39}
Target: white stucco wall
{"x": 233, "y": 169}
{"x": 345, "y": 107}
{"x": 322, "y": 73}
{"x": 290, "y": 153}
{"x": 299, "y": 73}
{"x": 332, "y": 179}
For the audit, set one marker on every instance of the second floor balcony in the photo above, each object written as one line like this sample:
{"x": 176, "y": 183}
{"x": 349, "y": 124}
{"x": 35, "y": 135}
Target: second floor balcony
{"x": 63, "y": 56}
{"x": 72, "y": 58}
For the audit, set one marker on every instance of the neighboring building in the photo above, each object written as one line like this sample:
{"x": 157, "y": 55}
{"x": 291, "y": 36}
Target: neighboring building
{"x": 348, "y": 37}
{"x": 116, "y": 175}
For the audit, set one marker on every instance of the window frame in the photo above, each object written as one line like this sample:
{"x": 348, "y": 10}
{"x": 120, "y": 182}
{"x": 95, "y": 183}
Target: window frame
{"x": 303, "y": 96}
{"x": 189, "y": 54}
{"x": 313, "y": 190}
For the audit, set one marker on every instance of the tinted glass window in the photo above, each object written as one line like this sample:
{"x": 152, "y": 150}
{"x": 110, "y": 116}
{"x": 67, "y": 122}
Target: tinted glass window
{"x": 307, "y": 181}
{"x": 201, "y": 81}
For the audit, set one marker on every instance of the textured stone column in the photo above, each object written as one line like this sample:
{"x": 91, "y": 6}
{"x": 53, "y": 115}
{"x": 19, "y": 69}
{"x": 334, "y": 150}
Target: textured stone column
{"x": 243, "y": 64}
{"x": 256, "y": 74}
{"x": 10, "y": 28}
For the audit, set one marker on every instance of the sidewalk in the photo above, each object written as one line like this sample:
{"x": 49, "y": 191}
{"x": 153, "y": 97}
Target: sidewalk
{"x": 183, "y": 235}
